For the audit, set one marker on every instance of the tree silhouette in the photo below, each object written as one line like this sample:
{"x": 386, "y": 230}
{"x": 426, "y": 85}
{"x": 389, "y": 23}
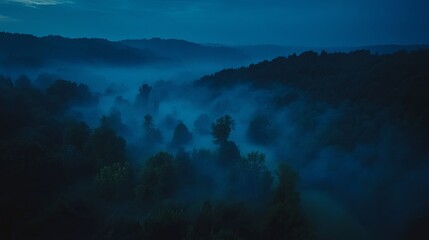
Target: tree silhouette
{"x": 261, "y": 131}
{"x": 152, "y": 135}
{"x": 181, "y": 136}
{"x": 104, "y": 146}
{"x": 221, "y": 129}
{"x": 158, "y": 177}
{"x": 148, "y": 122}
{"x": 144, "y": 92}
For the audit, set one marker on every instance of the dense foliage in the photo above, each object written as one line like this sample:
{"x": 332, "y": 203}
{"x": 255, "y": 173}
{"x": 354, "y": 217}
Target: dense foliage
{"x": 62, "y": 176}
{"x": 369, "y": 87}
{"x": 61, "y": 179}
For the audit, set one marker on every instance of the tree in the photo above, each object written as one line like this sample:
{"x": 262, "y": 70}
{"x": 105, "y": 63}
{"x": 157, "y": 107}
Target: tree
{"x": 148, "y": 122}
{"x": 224, "y": 220}
{"x": 113, "y": 179}
{"x": 114, "y": 120}
{"x": 143, "y": 96}
{"x": 76, "y": 134}
{"x": 181, "y": 136}
{"x": 158, "y": 177}
{"x": 165, "y": 222}
{"x": 256, "y": 178}
{"x": 105, "y": 146}
{"x": 229, "y": 153}
{"x": 62, "y": 92}
{"x": 221, "y": 129}
{"x": 261, "y": 131}
{"x": 285, "y": 190}
{"x": 152, "y": 135}
{"x": 23, "y": 82}
{"x": 254, "y": 162}
{"x": 284, "y": 219}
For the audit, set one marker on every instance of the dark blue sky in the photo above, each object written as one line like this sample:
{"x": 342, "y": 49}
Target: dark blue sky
{"x": 299, "y": 23}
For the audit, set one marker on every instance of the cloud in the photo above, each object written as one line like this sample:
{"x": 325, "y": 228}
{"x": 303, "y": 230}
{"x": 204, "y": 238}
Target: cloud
{"x": 36, "y": 3}
{"x": 4, "y": 18}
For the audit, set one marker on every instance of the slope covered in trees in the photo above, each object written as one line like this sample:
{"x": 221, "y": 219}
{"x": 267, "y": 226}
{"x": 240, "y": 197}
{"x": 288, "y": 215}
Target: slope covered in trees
{"x": 180, "y": 50}
{"x": 367, "y": 84}
{"x": 62, "y": 179}
{"x": 23, "y": 50}
{"x": 315, "y": 146}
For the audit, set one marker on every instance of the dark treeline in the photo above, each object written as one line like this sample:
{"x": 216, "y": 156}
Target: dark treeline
{"x": 19, "y": 51}
{"x": 312, "y": 146}
{"x": 27, "y": 51}
{"x": 60, "y": 179}
{"x": 371, "y": 88}
{"x": 181, "y": 50}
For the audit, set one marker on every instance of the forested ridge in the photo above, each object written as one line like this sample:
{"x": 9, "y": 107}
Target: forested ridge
{"x": 367, "y": 84}
{"x": 62, "y": 179}
{"x": 275, "y": 150}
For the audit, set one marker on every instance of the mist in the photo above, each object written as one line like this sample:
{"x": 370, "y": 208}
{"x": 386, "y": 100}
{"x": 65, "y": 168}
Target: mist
{"x": 352, "y": 172}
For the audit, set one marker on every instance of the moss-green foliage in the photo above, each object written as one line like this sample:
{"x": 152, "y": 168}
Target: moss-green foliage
{"x": 114, "y": 179}
{"x": 158, "y": 177}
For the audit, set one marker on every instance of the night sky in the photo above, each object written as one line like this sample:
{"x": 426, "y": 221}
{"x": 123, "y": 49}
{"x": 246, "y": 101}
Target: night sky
{"x": 298, "y": 23}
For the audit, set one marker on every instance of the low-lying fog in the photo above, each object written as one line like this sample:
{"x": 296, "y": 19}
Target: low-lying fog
{"x": 347, "y": 193}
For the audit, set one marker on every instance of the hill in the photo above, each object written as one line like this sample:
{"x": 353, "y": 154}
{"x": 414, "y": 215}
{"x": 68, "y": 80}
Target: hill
{"x": 28, "y": 51}
{"x": 23, "y": 50}
{"x": 181, "y": 50}
{"x": 367, "y": 84}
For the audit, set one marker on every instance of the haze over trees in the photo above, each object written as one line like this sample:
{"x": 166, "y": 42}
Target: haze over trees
{"x": 309, "y": 146}
{"x": 72, "y": 166}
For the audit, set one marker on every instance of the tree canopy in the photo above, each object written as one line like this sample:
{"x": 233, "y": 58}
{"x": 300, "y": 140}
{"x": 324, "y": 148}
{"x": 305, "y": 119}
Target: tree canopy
{"x": 221, "y": 129}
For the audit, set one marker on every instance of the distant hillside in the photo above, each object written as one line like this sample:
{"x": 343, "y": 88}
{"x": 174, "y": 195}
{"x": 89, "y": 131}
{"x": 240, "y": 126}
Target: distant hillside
{"x": 268, "y": 52}
{"x": 22, "y": 50}
{"x": 369, "y": 84}
{"x": 181, "y": 50}
{"x": 390, "y": 48}
{"x": 314, "y": 71}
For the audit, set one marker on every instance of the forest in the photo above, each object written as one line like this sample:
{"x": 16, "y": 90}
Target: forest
{"x": 309, "y": 146}
{"x": 62, "y": 179}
